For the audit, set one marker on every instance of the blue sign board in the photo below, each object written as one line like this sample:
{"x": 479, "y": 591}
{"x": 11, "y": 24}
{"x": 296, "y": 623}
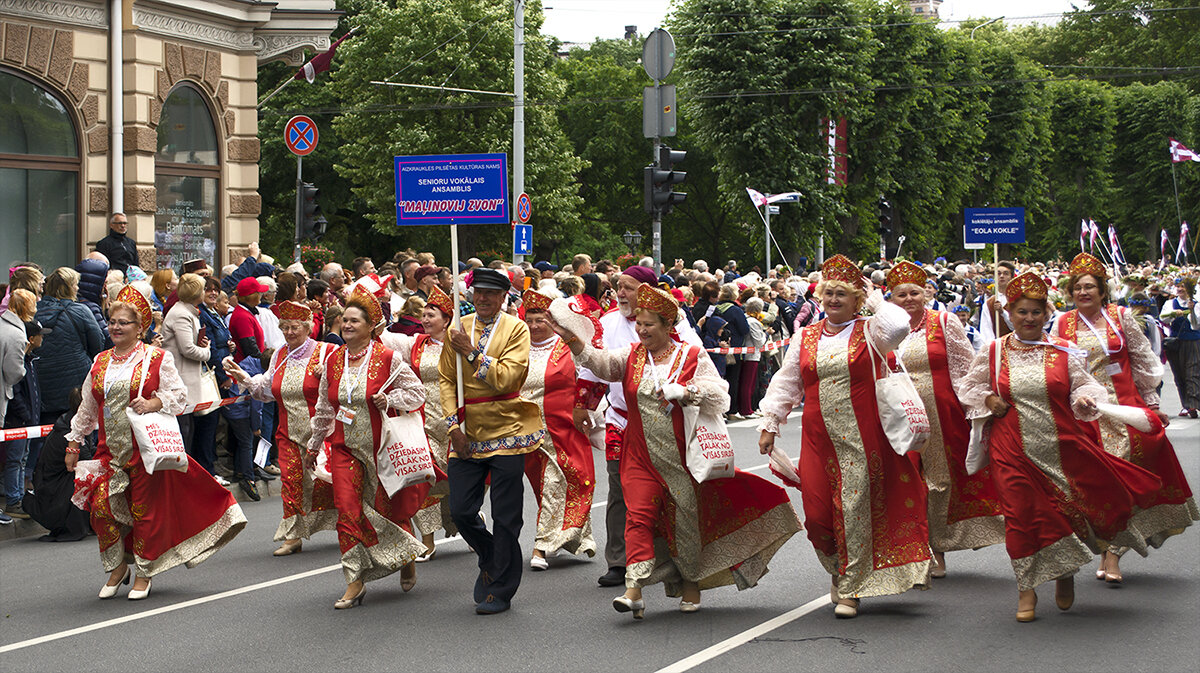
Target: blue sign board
{"x": 452, "y": 189}
{"x": 523, "y": 239}
{"x": 993, "y": 225}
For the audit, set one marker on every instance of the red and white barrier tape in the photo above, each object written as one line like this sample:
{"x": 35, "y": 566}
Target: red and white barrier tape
{"x": 742, "y": 350}
{"x": 35, "y": 431}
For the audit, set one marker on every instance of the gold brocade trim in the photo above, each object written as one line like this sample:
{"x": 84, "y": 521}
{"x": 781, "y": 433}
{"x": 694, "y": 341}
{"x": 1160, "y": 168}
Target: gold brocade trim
{"x": 1153, "y": 526}
{"x": 638, "y": 574}
{"x": 974, "y": 533}
{"x": 1035, "y": 418}
{"x": 1114, "y": 435}
{"x": 435, "y": 426}
{"x": 886, "y": 581}
{"x": 394, "y": 550}
{"x": 852, "y": 500}
{"x": 196, "y": 549}
{"x": 303, "y": 526}
{"x": 295, "y": 402}
{"x": 428, "y": 520}
{"x": 1063, "y": 557}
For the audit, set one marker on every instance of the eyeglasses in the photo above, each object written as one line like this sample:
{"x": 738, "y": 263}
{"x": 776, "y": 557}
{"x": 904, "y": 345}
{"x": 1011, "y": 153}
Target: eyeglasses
{"x": 121, "y": 323}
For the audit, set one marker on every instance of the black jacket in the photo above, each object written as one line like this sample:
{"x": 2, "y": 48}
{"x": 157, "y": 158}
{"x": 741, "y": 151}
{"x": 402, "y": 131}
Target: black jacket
{"x": 120, "y": 250}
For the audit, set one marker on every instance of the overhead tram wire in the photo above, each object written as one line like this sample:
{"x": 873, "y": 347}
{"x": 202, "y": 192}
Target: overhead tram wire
{"x": 422, "y": 56}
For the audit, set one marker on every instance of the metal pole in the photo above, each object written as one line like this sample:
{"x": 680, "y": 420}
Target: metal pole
{"x": 299, "y": 207}
{"x": 116, "y": 107}
{"x": 821, "y": 244}
{"x": 1178, "y": 210}
{"x": 996, "y": 292}
{"x": 656, "y": 225}
{"x": 518, "y": 184}
{"x": 456, "y": 323}
{"x": 767, "y": 241}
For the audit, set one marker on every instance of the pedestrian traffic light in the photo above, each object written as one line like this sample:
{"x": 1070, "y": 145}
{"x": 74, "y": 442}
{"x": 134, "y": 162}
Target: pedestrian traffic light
{"x": 660, "y": 177}
{"x": 312, "y": 222}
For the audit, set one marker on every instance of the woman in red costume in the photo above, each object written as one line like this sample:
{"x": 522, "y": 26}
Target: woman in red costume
{"x": 361, "y": 382}
{"x": 292, "y": 380}
{"x": 1063, "y": 498}
{"x": 864, "y": 505}
{"x": 153, "y": 521}
{"x": 423, "y": 352}
{"x": 688, "y": 535}
{"x": 964, "y": 511}
{"x": 1119, "y": 357}
{"x": 561, "y": 472}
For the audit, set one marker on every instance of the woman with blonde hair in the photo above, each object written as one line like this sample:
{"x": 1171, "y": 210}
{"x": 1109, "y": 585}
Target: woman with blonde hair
{"x": 864, "y": 504}
{"x": 164, "y": 282}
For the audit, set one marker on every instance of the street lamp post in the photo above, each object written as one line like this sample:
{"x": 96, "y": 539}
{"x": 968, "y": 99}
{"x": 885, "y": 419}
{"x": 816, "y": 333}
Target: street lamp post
{"x": 985, "y": 23}
{"x": 632, "y": 239}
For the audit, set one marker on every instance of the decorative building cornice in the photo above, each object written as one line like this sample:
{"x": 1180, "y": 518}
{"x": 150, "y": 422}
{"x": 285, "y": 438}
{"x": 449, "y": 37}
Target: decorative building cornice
{"x": 180, "y": 27}
{"x": 84, "y": 14}
{"x": 289, "y": 47}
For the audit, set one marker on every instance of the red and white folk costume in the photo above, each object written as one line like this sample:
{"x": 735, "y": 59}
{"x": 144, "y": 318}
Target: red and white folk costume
{"x": 156, "y": 521}
{"x": 714, "y": 533}
{"x": 561, "y": 472}
{"x": 864, "y": 505}
{"x": 1119, "y": 357}
{"x": 423, "y": 352}
{"x": 373, "y": 529}
{"x": 963, "y": 509}
{"x": 293, "y": 381}
{"x": 1063, "y": 498}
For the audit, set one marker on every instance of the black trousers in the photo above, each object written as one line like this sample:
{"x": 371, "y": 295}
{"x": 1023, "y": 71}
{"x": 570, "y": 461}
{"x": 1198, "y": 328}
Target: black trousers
{"x": 499, "y": 550}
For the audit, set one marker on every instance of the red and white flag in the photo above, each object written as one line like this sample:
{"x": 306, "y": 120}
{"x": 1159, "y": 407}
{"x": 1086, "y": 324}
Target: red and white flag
{"x": 320, "y": 62}
{"x": 757, "y": 198}
{"x": 1093, "y": 234}
{"x": 1114, "y": 246}
{"x": 1181, "y": 250}
{"x": 1083, "y": 231}
{"x": 834, "y": 131}
{"x": 1181, "y": 153}
{"x": 1164, "y": 241}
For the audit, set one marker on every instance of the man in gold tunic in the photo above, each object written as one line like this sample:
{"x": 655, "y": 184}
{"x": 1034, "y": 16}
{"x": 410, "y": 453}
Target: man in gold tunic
{"x": 490, "y": 435}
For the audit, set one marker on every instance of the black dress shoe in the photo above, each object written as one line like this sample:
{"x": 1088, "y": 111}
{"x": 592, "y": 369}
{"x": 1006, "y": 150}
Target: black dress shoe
{"x": 481, "y": 582}
{"x": 263, "y": 474}
{"x": 250, "y": 490}
{"x": 492, "y": 606}
{"x": 615, "y": 577}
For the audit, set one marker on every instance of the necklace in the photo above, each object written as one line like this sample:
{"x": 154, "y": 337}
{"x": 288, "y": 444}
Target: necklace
{"x": 123, "y": 358}
{"x": 355, "y": 357}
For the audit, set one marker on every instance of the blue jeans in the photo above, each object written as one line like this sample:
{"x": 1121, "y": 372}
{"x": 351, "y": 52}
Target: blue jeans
{"x": 14, "y": 470}
{"x": 241, "y": 446}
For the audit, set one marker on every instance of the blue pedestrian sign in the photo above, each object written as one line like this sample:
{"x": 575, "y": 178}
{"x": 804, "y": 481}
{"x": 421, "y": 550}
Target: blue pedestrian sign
{"x": 452, "y": 189}
{"x": 300, "y": 135}
{"x": 993, "y": 225}
{"x": 523, "y": 239}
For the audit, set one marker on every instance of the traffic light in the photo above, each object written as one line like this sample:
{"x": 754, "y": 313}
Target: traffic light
{"x": 885, "y": 218}
{"x": 660, "y": 177}
{"x": 312, "y": 222}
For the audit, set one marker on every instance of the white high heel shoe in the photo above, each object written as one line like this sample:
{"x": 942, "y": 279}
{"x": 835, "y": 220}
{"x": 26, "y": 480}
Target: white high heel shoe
{"x": 136, "y": 595}
{"x": 110, "y": 590}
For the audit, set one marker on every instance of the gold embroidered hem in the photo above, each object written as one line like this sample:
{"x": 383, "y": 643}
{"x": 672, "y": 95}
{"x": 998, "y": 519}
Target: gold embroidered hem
{"x": 302, "y": 527}
{"x": 551, "y": 536}
{"x": 975, "y": 533}
{"x": 1051, "y": 562}
{"x": 195, "y": 550}
{"x": 638, "y": 574}
{"x": 395, "y": 549}
{"x": 1158, "y": 523}
{"x": 433, "y": 518}
{"x": 886, "y": 581}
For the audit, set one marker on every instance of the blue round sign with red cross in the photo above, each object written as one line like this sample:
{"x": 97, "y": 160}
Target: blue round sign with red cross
{"x": 524, "y": 208}
{"x": 300, "y": 135}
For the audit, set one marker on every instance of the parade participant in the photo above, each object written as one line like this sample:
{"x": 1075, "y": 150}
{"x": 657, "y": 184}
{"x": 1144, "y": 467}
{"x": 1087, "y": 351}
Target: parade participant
{"x": 994, "y": 305}
{"x": 964, "y": 512}
{"x": 293, "y": 379}
{"x": 685, "y": 534}
{"x": 1182, "y": 313}
{"x": 356, "y": 390}
{"x": 864, "y": 505}
{"x": 489, "y": 435}
{"x": 153, "y": 521}
{"x": 424, "y": 352}
{"x": 1063, "y": 498}
{"x": 561, "y": 471}
{"x": 618, "y": 330}
{"x": 1120, "y": 358}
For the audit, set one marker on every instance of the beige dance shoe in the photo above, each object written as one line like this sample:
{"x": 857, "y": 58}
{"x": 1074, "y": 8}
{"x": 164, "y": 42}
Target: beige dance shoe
{"x": 110, "y": 590}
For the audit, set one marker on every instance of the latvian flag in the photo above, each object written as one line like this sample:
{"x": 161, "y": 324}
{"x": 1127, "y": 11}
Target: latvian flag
{"x": 320, "y": 62}
{"x": 1180, "y": 153}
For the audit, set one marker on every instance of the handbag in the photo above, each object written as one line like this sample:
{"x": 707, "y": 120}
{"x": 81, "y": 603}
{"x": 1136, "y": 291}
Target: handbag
{"x": 709, "y": 453}
{"x": 901, "y": 411}
{"x": 403, "y": 458}
{"x": 209, "y": 392}
{"x": 159, "y": 440}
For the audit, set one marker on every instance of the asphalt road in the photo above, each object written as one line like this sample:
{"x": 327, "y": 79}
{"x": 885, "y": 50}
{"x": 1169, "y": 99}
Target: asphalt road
{"x": 246, "y": 610}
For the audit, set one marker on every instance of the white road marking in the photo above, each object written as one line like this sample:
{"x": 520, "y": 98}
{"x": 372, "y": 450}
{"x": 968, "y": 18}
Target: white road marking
{"x": 214, "y": 597}
{"x": 744, "y": 637}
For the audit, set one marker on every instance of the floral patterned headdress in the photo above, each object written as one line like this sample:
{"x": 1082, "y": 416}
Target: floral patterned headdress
{"x": 131, "y": 296}
{"x": 906, "y": 272}
{"x": 1085, "y": 264}
{"x": 365, "y": 300}
{"x": 294, "y": 310}
{"x": 839, "y": 267}
{"x": 1028, "y": 285}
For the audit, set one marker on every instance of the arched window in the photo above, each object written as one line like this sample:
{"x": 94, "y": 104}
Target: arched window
{"x": 187, "y": 177}
{"x": 39, "y": 175}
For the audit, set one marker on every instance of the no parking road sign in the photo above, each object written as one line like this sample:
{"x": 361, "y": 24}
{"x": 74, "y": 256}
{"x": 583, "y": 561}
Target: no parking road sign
{"x": 524, "y": 208}
{"x": 300, "y": 135}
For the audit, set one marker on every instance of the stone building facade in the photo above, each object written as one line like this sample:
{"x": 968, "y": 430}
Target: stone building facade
{"x": 183, "y": 162}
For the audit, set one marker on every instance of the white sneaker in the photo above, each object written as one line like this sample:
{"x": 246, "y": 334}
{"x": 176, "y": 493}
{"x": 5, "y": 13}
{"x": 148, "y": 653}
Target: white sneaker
{"x": 221, "y": 480}
{"x": 538, "y": 563}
